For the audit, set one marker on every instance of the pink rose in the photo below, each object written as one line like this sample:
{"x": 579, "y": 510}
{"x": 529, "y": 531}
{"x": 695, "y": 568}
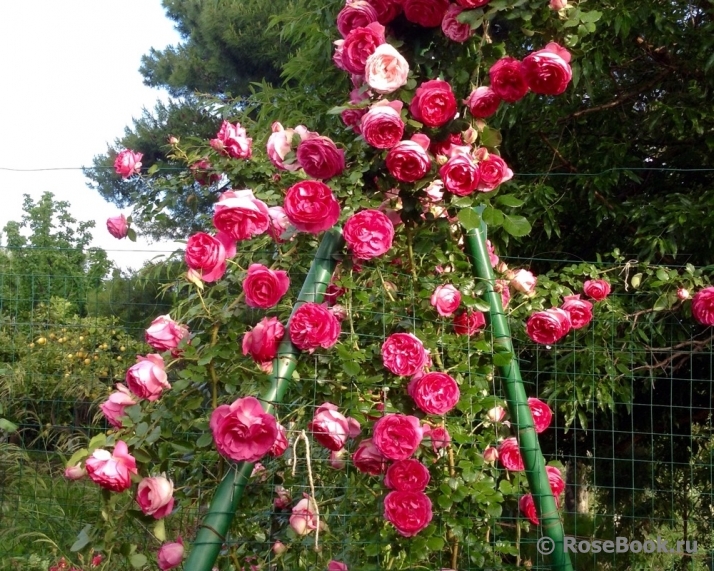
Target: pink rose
{"x": 404, "y": 354}
{"x": 337, "y": 56}
{"x": 240, "y": 215}
{"x": 542, "y": 415}
{"x": 408, "y": 475}
{"x": 483, "y": 102}
{"x": 243, "y": 431}
{"x": 549, "y": 326}
{"x": 682, "y": 294}
{"x": 262, "y": 342}
{"x": 702, "y": 303}
{"x": 118, "y": 227}
{"x": 492, "y": 171}
{"x": 434, "y": 103}
{"x": 303, "y": 519}
{"x": 558, "y": 4}
{"x": 75, "y": 472}
{"x": 507, "y": 79}
{"x": 426, "y": 13}
{"x": 386, "y": 69}
{"x": 382, "y": 126}
{"x": 524, "y": 281}
{"x": 546, "y": 71}
{"x": 231, "y": 140}
{"x": 164, "y": 334}
{"x": 446, "y": 299}
{"x": 282, "y": 498}
{"x": 331, "y": 428}
{"x": 368, "y": 234}
{"x": 204, "y": 173}
{"x": 155, "y": 496}
{"x": 408, "y": 512}
{"x": 147, "y": 378}
{"x": 510, "y": 455}
{"x": 527, "y": 506}
{"x": 555, "y": 478}
{"x": 434, "y": 393}
{"x": 469, "y": 322}
{"x": 452, "y": 28}
{"x": 408, "y": 161}
{"x": 170, "y": 555}
{"x": 280, "y": 143}
{"x": 128, "y": 163}
{"x": 356, "y": 14}
{"x": 472, "y": 3}
{"x": 279, "y": 548}
{"x": 112, "y": 470}
{"x": 311, "y": 206}
{"x": 359, "y": 44}
{"x": 352, "y": 118}
{"x": 312, "y": 326}
{"x": 596, "y": 289}
{"x": 114, "y": 407}
{"x": 496, "y": 414}
{"x": 437, "y": 437}
{"x": 580, "y": 310}
{"x": 460, "y": 175}
{"x": 337, "y": 459}
{"x": 386, "y": 10}
{"x": 320, "y": 158}
{"x": 206, "y": 255}
{"x": 336, "y": 566}
{"x": 279, "y": 223}
{"x": 501, "y": 286}
{"x": 490, "y": 455}
{"x": 281, "y": 442}
{"x": 368, "y": 459}
{"x": 492, "y": 257}
{"x": 264, "y": 287}
{"x": 397, "y": 436}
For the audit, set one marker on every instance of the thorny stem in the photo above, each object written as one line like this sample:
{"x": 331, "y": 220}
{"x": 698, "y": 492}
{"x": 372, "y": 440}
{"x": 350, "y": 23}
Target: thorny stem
{"x": 410, "y": 251}
{"x": 384, "y": 286}
{"x": 212, "y": 370}
{"x": 450, "y": 535}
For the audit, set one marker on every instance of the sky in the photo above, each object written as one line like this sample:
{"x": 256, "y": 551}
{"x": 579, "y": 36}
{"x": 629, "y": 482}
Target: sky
{"x": 72, "y": 84}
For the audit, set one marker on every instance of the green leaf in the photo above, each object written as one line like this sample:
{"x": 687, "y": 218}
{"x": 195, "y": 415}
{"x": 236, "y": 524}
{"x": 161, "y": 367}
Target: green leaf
{"x": 490, "y": 137}
{"x": 509, "y": 200}
{"x": 83, "y": 538}
{"x": 592, "y": 16}
{"x": 462, "y": 201}
{"x": 138, "y": 560}
{"x": 7, "y": 426}
{"x": 502, "y": 359}
{"x": 435, "y": 543}
{"x": 516, "y": 225}
{"x": 131, "y": 234}
{"x": 204, "y": 440}
{"x": 160, "y": 530}
{"x": 636, "y": 280}
{"x": 352, "y": 368}
{"x": 492, "y": 216}
{"x": 337, "y": 110}
{"x": 473, "y": 18}
{"x": 469, "y": 218}
{"x": 661, "y": 303}
{"x": 662, "y": 275}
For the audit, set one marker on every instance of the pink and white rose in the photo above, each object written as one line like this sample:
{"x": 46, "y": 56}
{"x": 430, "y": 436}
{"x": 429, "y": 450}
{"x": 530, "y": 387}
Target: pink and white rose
{"x": 243, "y": 431}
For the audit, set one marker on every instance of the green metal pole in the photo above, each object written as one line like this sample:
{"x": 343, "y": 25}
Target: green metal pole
{"x": 518, "y": 406}
{"x": 212, "y": 533}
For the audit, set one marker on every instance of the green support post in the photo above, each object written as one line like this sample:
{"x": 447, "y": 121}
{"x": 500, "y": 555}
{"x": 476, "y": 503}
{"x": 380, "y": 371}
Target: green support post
{"x": 518, "y": 406}
{"x": 212, "y": 533}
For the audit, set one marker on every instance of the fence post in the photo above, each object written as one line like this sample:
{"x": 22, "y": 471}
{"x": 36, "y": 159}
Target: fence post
{"x": 214, "y": 529}
{"x": 518, "y": 404}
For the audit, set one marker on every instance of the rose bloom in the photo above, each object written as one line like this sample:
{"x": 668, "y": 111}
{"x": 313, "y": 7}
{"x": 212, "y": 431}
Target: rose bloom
{"x": 527, "y": 506}
{"x": 682, "y": 294}
{"x": 469, "y": 322}
{"x": 452, "y": 28}
{"x": 164, "y": 334}
{"x": 368, "y": 459}
{"x": 439, "y": 438}
{"x": 320, "y": 158}
{"x": 337, "y": 56}
{"x": 128, "y": 163}
{"x": 359, "y": 44}
{"x": 204, "y": 173}
{"x": 397, "y": 436}
{"x": 408, "y": 161}
{"x": 170, "y": 555}
{"x": 510, "y": 455}
{"x": 501, "y": 287}
{"x": 542, "y": 415}
{"x": 279, "y": 548}
{"x": 434, "y": 103}
{"x": 147, "y": 378}
{"x": 264, "y": 287}
{"x": 472, "y": 3}
{"x": 483, "y": 102}
{"x": 114, "y": 407}
{"x": 492, "y": 171}
{"x": 382, "y": 126}
{"x": 75, "y": 472}
{"x": 243, "y": 431}
{"x": 555, "y": 478}
{"x": 279, "y": 223}
{"x": 558, "y": 4}
{"x": 549, "y": 326}
{"x": 311, "y": 206}
{"x": 280, "y": 143}
{"x": 702, "y": 305}
{"x": 206, "y": 255}
{"x": 460, "y": 175}
{"x": 231, "y": 140}
{"x": 496, "y": 414}
{"x": 303, "y": 519}
{"x": 336, "y": 566}
{"x": 446, "y": 299}
{"x": 262, "y": 342}
{"x": 547, "y": 71}
{"x": 240, "y": 215}
{"x": 281, "y": 442}
{"x": 386, "y": 10}
{"x": 507, "y": 79}
{"x": 352, "y": 118}
{"x": 492, "y": 257}
{"x": 426, "y": 13}
{"x": 337, "y": 459}
{"x": 155, "y": 496}
{"x": 490, "y": 455}
{"x": 118, "y": 227}
{"x": 434, "y": 393}
{"x": 596, "y": 289}
{"x": 356, "y": 14}
{"x": 408, "y": 475}
{"x": 112, "y": 470}
{"x": 524, "y": 281}
{"x": 282, "y": 498}
{"x": 368, "y": 234}
{"x": 386, "y": 69}
{"x": 404, "y": 354}
{"x": 311, "y": 326}
{"x": 408, "y": 512}
{"x": 580, "y": 310}
{"x": 331, "y": 428}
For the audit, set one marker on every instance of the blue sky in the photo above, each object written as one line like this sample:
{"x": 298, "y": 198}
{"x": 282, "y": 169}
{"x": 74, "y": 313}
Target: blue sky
{"x": 71, "y": 86}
